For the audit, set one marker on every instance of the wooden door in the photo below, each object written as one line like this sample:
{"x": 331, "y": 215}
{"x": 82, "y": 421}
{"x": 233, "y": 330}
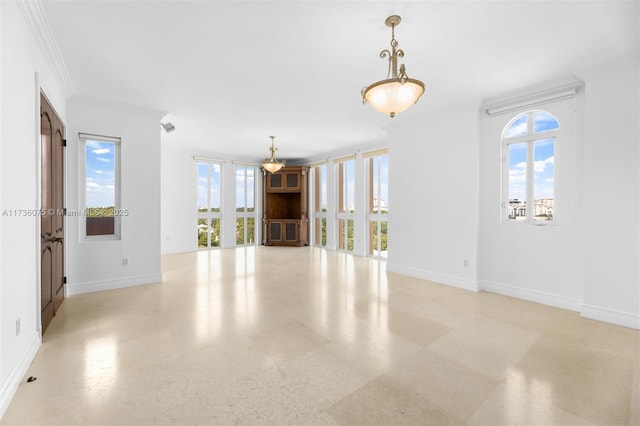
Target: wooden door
{"x": 52, "y": 280}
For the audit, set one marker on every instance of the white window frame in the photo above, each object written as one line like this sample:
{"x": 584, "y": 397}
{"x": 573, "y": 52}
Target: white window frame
{"x": 346, "y": 216}
{"x": 530, "y": 138}
{"x": 316, "y": 210}
{"x": 375, "y": 216}
{"x": 209, "y": 215}
{"x": 82, "y": 186}
{"x": 245, "y": 215}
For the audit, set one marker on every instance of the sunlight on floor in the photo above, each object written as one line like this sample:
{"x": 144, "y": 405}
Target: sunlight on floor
{"x": 287, "y": 335}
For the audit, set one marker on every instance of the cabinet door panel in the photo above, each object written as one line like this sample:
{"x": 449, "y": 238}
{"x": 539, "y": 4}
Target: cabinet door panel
{"x": 293, "y": 181}
{"x": 290, "y": 232}
{"x": 275, "y": 231}
{"x": 275, "y": 180}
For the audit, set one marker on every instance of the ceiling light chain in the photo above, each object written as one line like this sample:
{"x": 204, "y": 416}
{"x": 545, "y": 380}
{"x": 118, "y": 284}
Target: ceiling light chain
{"x": 393, "y": 55}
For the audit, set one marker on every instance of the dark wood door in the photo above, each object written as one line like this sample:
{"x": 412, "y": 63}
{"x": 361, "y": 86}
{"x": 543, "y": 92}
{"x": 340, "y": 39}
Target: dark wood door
{"x": 52, "y": 140}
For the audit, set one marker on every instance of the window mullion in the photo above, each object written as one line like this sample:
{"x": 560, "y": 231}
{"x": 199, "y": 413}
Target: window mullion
{"x": 530, "y": 177}
{"x": 209, "y": 227}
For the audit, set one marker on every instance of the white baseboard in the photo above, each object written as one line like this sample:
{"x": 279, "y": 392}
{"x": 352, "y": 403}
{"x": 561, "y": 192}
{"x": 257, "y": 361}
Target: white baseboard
{"x": 458, "y": 282}
{"x": 624, "y": 319}
{"x": 549, "y": 299}
{"x": 10, "y": 386}
{"x": 178, "y": 249}
{"x": 91, "y": 287}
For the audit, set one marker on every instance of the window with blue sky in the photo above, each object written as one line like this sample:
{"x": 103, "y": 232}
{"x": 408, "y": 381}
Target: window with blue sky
{"x": 529, "y": 157}
{"x": 378, "y": 183}
{"x": 100, "y": 199}
{"x": 319, "y": 174}
{"x": 346, "y": 204}
{"x": 209, "y": 203}
{"x": 245, "y": 204}
{"x": 100, "y": 178}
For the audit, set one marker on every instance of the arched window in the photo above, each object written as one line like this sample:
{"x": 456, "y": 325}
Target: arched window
{"x": 529, "y": 175}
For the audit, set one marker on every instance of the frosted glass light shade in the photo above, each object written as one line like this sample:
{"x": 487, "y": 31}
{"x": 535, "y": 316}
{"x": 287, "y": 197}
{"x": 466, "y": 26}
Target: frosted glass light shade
{"x": 272, "y": 166}
{"x": 392, "y": 96}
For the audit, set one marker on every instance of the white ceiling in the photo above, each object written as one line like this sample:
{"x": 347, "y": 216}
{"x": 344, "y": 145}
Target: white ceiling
{"x": 232, "y": 73}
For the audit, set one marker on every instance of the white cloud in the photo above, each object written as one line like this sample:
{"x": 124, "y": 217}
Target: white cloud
{"x": 521, "y": 165}
{"x": 540, "y": 165}
{"x": 101, "y": 151}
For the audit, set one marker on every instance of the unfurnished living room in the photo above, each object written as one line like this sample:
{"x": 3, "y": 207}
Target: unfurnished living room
{"x": 319, "y": 212}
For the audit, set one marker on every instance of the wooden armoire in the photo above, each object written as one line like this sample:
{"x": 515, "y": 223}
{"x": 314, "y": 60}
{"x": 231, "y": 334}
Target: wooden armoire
{"x": 285, "y": 221}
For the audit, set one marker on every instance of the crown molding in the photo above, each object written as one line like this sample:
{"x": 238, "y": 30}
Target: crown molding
{"x": 35, "y": 17}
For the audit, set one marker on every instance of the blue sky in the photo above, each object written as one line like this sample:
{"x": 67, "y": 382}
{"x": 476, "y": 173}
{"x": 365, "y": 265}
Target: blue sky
{"x": 215, "y": 171}
{"x": 245, "y": 182}
{"x": 100, "y": 174}
{"x": 543, "y": 156}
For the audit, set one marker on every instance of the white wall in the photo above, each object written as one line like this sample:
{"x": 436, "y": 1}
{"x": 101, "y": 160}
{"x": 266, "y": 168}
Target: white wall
{"x": 97, "y": 265}
{"x": 539, "y": 263}
{"x": 589, "y": 262}
{"x": 433, "y": 197}
{"x": 21, "y": 57}
{"x": 612, "y": 178}
{"x": 440, "y": 216}
{"x": 179, "y": 198}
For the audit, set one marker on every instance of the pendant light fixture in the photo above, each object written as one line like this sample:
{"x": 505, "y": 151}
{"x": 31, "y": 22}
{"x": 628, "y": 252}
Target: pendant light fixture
{"x": 397, "y": 92}
{"x": 271, "y": 164}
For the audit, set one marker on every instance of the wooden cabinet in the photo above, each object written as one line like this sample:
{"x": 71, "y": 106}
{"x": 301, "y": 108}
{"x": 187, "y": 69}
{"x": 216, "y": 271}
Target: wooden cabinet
{"x": 286, "y": 220}
{"x": 285, "y": 181}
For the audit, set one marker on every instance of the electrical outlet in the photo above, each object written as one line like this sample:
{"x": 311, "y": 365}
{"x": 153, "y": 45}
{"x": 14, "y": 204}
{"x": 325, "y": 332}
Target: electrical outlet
{"x": 18, "y": 327}
{"x": 125, "y": 261}
{"x": 465, "y": 262}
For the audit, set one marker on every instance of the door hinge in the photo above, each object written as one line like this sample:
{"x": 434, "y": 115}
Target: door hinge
{"x": 64, "y": 143}
{"x": 64, "y": 280}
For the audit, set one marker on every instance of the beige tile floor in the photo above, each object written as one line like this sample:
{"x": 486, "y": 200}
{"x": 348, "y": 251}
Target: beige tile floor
{"x": 304, "y": 336}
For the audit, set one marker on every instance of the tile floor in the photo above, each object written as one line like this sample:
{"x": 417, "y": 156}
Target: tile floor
{"x": 304, "y": 336}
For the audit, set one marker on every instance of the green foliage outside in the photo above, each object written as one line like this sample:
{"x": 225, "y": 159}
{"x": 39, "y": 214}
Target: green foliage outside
{"x": 379, "y": 243}
{"x": 382, "y": 243}
{"x": 204, "y": 230}
{"x": 204, "y": 210}
{"x": 240, "y": 235}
